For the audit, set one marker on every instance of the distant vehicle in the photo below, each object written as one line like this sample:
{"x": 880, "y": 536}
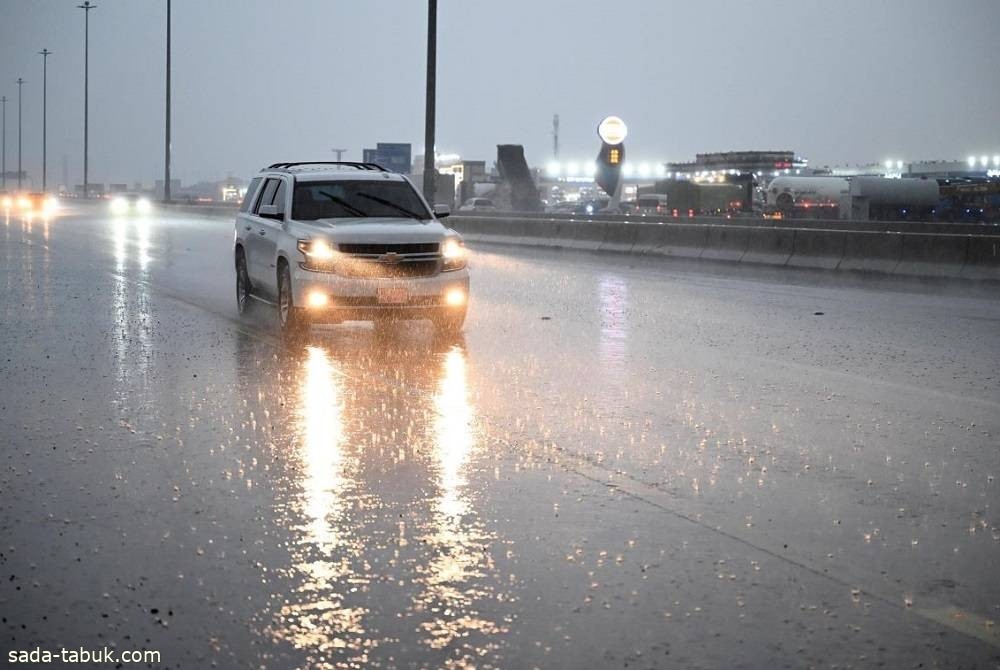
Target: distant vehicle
{"x": 565, "y": 207}
{"x": 881, "y": 199}
{"x": 478, "y": 205}
{"x": 31, "y": 203}
{"x": 589, "y": 207}
{"x": 651, "y": 203}
{"x": 337, "y": 241}
{"x": 130, "y": 203}
{"x": 603, "y": 206}
{"x": 786, "y": 194}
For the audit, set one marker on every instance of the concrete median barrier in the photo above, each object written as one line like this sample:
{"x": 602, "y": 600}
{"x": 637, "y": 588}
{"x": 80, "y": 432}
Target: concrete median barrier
{"x": 541, "y": 233}
{"x": 822, "y": 249}
{"x": 582, "y": 235}
{"x": 498, "y": 231}
{"x": 681, "y": 240}
{"x": 929, "y": 255}
{"x": 873, "y": 251}
{"x": 769, "y": 246}
{"x": 982, "y": 259}
{"x": 726, "y": 243}
{"x": 878, "y": 250}
{"x": 619, "y": 237}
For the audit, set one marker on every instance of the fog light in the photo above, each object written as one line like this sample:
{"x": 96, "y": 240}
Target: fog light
{"x": 455, "y": 297}
{"x": 318, "y": 299}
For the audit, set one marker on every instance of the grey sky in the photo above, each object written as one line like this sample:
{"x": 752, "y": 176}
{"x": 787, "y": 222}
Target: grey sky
{"x": 849, "y": 81}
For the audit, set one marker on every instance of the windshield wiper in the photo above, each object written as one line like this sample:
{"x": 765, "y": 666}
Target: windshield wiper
{"x": 343, "y": 203}
{"x": 387, "y": 203}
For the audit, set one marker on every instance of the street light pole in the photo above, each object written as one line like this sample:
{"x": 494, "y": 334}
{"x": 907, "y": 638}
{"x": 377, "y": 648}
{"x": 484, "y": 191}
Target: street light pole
{"x": 3, "y": 161}
{"x": 166, "y": 142}
{"x": 45, "y": 75}
{"x": 429, "y": 169}
{"x": 20, "y": 83}
{"x": 86, "y": 7}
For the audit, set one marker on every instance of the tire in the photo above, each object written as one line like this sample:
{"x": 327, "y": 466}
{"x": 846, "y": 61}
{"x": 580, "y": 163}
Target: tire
{"x": 243, "y": 287}
{"x": 450, "y": 322}
{"x": 292, "y": 321}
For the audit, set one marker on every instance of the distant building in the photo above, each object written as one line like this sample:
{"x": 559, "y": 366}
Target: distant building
{"x": 760, "y": 163}
{"x": 393, "y": 156}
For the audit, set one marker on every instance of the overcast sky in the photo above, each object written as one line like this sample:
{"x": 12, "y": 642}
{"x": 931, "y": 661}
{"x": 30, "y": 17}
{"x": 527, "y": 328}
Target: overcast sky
{"x": 837, "y": 81}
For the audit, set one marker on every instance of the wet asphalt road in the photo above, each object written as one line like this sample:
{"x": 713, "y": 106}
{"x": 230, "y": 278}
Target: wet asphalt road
{"x": 623, "y": 463}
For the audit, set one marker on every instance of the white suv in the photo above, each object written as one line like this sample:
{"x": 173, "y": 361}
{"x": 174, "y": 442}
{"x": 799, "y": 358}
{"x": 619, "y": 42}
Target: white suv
{"x": 329, "y": 242}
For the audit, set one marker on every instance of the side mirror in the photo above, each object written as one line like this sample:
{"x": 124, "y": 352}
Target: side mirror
{"x": 270, "y": 212}
{"x": 442, "y": 211}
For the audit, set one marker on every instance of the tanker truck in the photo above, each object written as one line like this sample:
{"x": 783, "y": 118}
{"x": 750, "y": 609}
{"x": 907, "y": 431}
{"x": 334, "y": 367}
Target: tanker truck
{"x": 858, "y": 198}
{"x": 807, "y": 197}
{"x": 881, "y": 199}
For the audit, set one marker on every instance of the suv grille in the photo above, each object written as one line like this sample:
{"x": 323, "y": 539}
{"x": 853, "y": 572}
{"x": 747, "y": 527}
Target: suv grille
{"x": 379, "y": 249}
{"x": 373, "y": 269}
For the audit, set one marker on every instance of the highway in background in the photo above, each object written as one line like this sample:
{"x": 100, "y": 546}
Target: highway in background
{"x": 623, "y": 462}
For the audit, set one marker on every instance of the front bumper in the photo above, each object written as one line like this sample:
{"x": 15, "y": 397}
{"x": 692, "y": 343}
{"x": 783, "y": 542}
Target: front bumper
{"x": 349, "y": 299}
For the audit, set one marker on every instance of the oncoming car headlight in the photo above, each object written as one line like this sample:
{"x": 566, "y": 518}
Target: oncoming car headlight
{"x": 119, "y": 206}
{"x": 453, "y": 254}
{"x": 143, "y": 206}
{"x": 319, "y": 255}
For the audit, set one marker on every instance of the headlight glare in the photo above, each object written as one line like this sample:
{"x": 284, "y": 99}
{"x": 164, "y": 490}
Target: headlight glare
{"x": 454, "y": 254}
{"x": 320, "y": 255}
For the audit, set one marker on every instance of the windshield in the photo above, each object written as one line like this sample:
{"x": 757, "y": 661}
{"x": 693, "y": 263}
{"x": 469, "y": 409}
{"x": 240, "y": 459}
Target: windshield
{"x": 343, "y": 199}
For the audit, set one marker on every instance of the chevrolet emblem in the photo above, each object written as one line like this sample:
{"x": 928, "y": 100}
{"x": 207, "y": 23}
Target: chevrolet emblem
{"x": 391, "y": 257}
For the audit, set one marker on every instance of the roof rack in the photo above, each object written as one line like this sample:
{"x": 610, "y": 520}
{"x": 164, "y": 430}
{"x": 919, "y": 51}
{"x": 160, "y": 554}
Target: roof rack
{"x": 359, "y": 166}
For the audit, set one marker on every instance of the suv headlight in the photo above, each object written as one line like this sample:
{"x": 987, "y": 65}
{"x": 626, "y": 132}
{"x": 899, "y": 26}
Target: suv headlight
{"x": 319, "y": 255}
{"x": 454, "y": 254}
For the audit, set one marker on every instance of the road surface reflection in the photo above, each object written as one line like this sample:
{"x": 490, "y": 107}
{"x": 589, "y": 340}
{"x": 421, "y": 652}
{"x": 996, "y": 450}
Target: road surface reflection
{"x": 387, "y": 541}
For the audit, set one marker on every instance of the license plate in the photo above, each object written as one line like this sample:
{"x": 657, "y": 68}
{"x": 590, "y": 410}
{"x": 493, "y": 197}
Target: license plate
{"x": 392, "y": 295}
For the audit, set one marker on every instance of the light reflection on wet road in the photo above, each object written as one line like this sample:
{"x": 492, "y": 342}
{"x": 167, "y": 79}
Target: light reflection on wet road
{"x": 621, "y": 462}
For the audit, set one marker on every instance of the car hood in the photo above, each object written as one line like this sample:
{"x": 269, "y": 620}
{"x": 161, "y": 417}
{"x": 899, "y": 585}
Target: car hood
{"x": 373, "y": 230}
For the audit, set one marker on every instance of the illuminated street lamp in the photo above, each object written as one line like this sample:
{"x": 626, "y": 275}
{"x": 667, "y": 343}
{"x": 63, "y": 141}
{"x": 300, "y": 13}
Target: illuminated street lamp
{"x": 3, "y": 161}
{"x": 429, "y": 112}
{"x": 86, "y": 7}
{"x": 20, "y": 83}
{"x": 45, "y": 74}
{"x": 166, "y": 129}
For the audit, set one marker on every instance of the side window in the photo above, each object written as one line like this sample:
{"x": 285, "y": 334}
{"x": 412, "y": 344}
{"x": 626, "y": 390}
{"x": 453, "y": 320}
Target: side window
{"x": 266, "y": 194}
{"x": 251, "y": 192}
{"x": 279, "y": 197}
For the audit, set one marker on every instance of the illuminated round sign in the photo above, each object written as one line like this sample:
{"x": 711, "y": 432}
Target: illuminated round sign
{"x": 612, "y": 130}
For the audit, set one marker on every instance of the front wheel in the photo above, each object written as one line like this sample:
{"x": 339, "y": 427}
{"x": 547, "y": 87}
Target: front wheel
{"x": 292, "y": 320}
{"x": 242, "y": 283}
